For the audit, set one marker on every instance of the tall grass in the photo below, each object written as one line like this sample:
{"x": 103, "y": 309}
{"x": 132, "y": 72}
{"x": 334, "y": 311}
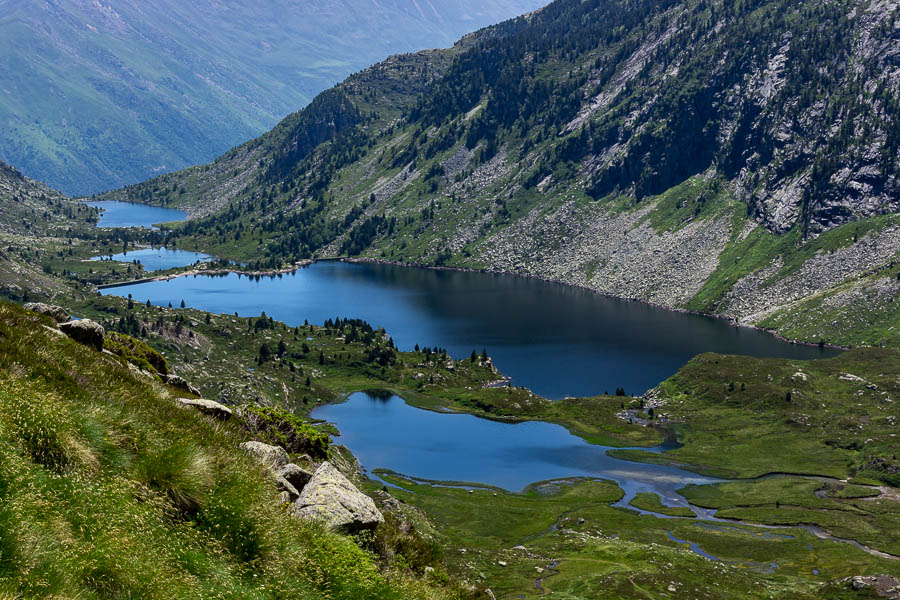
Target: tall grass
{"x": 108, "y": 489}
{"x": 179, "y": 471}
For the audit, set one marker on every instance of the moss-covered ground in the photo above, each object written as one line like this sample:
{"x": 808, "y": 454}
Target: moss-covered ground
{"x": 651, "y": 502}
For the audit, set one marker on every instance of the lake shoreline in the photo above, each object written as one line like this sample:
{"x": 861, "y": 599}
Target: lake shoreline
{"x": 211, "y": 272}
{"x": 380, "y": 261}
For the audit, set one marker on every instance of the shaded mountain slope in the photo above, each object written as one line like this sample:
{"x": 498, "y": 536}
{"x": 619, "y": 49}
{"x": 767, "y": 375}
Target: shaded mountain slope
{"x": 95, "y": 95}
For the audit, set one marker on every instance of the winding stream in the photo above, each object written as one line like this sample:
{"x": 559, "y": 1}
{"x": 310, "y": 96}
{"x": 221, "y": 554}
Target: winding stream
{"x": 384, "y": 432}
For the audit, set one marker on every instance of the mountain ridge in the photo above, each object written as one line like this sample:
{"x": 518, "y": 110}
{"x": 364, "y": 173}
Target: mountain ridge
{"x": 680, "y": 159}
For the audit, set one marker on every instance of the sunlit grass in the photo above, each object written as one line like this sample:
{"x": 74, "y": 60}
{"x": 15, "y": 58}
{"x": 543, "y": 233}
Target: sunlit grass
{"x": 109, "y": 489}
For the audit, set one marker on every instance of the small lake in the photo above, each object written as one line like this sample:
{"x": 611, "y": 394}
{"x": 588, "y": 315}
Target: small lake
{"x": 158, "y": 259}
{"x": 555, "y": 339}
{"x": 383, "y": 431}
{"x": 127, "y": 214}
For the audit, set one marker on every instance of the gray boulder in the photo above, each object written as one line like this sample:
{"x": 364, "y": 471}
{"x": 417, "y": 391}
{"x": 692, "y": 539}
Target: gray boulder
{"x": 57, "y": 313}
{"x": 388, "y": 502}
{"x": 271, "y": 457}
{"x": 85, "y": 331}
{"x": 209, "y": 407}
{"x": 179, "y": 383}
{"x": 332, "y": 498}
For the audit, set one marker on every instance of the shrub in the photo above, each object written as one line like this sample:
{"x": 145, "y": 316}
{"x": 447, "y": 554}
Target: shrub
{"x": 284, "y": 429}
{"x": 397, "y": 543}
{"x": 136, "y": 352}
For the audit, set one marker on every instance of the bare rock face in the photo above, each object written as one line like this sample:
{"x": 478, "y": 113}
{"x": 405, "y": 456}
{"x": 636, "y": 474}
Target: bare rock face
{"x": 209, "y": 407}
{"x": 57, "y": 313}
{"x": 272, "y": 457}
{"x": 289, "y": 493}
{"x": 332, "y": 498}
{"x": 85, "y": 331}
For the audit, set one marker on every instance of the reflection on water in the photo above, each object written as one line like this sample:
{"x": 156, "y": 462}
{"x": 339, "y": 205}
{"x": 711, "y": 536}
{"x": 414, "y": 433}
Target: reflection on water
{"x": 383, "y": 431}
{"x": 158, "y": 259}
{"x": 127, "y": 214}
{"x": 557, "y": 340}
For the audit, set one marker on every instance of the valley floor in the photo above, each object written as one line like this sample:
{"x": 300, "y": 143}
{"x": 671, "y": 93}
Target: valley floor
{"x": 831, "y": 423}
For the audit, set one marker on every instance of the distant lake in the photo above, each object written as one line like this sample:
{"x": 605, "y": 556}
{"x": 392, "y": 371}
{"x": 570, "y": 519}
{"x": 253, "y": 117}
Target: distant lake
{"x": 383, "y": 431}
{"x": 555, "y": 339}
{"x": 127, "y": 214}
{"x": 158, "y": 259}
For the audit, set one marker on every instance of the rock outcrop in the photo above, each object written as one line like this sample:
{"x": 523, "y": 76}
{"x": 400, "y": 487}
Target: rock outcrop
{"x": 180, "y": 384}
{"x": 290, "y": 479}
{"x": 85, "y": 331}
{"x": 272, "y": 457}
{"x": 57, "y": 313}
{"x": 332, "y": 498}
{"x": 883, "y": 586}
{"x": 209, "y": 407}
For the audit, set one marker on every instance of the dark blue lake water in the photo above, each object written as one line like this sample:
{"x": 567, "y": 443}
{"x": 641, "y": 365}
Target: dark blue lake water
{"x": 557, "y": 340}
{"x": 126, "y": 214}
{"x": 383, "y": 431}
{"x": 158, "y": 259}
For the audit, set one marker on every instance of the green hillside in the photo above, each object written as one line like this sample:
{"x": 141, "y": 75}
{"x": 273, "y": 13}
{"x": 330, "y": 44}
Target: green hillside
{"x": 734, "y": 158}
{"x": 110, "y": 489}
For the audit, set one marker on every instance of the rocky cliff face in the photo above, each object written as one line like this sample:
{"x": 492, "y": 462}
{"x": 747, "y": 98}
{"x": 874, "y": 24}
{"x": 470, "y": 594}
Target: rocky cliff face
{"x": 818, "y": 146}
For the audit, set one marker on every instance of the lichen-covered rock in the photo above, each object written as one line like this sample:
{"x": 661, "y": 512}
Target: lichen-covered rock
{"x": 179, "y": 383}
{"x": 85, "y": 331}
{"x": 57, "y": 313}
{"x": 209, "y": 407}
{"x": 388, "y": 503}
{"x": 272, "y": 457}
{"x": 295, "y": 475}
{"x": 332, "y": 498}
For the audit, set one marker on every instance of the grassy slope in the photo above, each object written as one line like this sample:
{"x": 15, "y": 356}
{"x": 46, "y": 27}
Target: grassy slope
{"x": 585, "y": 548}
{"x": 110, "y": 489}
{"x": 834, "y": 417}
